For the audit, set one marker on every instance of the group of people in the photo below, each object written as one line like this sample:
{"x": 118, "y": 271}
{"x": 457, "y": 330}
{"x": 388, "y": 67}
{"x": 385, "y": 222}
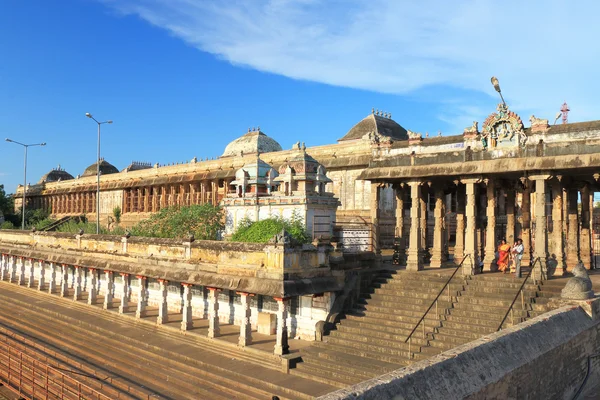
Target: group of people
{"x": 510, "y": 256}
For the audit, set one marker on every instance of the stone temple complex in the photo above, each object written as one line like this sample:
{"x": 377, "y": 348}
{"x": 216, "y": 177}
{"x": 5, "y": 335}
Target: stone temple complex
{"x": 400, "y": 272}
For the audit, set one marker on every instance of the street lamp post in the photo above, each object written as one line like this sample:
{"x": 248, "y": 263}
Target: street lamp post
{"x": 24, "y": 177}
{"x": 497, "y": 87}
{"x": 98, "y": 172}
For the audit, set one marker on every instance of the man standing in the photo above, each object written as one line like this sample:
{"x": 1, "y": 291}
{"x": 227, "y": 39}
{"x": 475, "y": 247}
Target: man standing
{"x": 517, "y": 252}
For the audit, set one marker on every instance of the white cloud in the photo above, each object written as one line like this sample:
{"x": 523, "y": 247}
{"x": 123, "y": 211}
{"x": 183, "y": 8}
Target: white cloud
{"x": 544, "y": 52}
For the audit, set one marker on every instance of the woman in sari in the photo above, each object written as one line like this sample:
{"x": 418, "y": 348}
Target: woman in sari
{"x": 503, "y": 255}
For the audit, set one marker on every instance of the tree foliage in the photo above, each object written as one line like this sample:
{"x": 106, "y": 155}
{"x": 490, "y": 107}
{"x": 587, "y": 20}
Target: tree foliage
{"x": 6, "y": 203}
{"x": 203, "y": 221}
{"x": 263, "y": 231}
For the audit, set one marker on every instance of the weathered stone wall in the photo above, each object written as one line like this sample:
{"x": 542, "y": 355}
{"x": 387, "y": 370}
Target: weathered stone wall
{"x": 272, "y": 270}
{"x": 544, "y": 358}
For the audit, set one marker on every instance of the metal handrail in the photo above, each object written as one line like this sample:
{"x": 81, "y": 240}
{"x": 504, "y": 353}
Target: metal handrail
{"x": 434, "y": 302}
{"x": 520, "y": 291}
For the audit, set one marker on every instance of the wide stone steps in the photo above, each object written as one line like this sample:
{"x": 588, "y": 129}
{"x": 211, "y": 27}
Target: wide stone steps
{"x": 343, "y": 360}
{"x": 470, "y": 327}
{"x": 402, "y": 295}
{"x": 372, "y": 335}
{"x": 387, "y": 348}
{"x": 370, "y": 329}
{"x": 465, "y": 333}
{"x": 205, "y": 371}
{"x": 392, "y": 321}
{"x": 404, "y": 303}
{"x": 380, "y": 356}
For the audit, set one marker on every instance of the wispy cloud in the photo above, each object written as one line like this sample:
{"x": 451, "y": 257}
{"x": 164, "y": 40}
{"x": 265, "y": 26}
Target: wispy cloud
{"x": 544, "y": 52}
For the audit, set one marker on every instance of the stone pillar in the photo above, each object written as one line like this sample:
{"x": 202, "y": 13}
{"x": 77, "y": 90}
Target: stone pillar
{"x": 125, "y": 291}
{"x": 186, "y": 321}
{"x": 109, "y": 277}
{"x": 459, "y": 245}
{"x": 399, "y": 230}
{"x": 489, "y": 261}
{"x": 245, "y": 326}
{"x": 142, "y": 300}
{"x": 541, "y": 240}
{"x": 557, "y": 229}
{"x": 423, "y": 200}
{"x": 163, "y": 307}
{"x": 471, "y": 267}
{"x": 573, "y": 232}
{"x": 510, "y": 216}
{"x": 375, "y": 195}
{"x": 281, "y": 344}
{"x": 21, "y": 269}
{"x": 91, "y": 287}
{"x": 77, "y": 284}
{"x": 64, "y": 282}
{"x": 438, "y": 255}
{"x": 52, "y": 280}
{"x": 526, "y": 224}
{"x": 585, "y": 245}
{"x": 213, "y": 313}
{"x": 415, "y": 261}
{"x": 31, "y": 277}
{"x": 3, "y": 267}
{"x": 42, "y": 280}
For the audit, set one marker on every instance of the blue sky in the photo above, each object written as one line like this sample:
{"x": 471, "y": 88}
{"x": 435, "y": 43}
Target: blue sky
{"x": 182, "y": 78}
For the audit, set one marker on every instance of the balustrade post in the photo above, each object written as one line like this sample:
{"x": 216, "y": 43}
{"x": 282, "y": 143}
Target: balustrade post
{"x": 245, "y": 326}
{"x": 186, "y": 322}
{"x": 52, "y": 281}
{"x": 163, "y": 308}
{"x": 281, "y": 345}
{"x": 21, "y": 277}
{"x": 213, "y": 313}
{"x": 64, "y": 283}
{"x": 77, "y": 284}
{"x": 42, "y": 280}
{"x": 142, "y": 301}
{"x": 92, "y": 292}
{"x": 31, "y": 277}
{"x": 125, "y": 292}
{"x": 109, "y": 296}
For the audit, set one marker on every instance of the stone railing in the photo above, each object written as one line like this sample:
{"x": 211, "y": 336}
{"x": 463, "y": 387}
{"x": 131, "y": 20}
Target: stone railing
{"x": 231, "y": 265}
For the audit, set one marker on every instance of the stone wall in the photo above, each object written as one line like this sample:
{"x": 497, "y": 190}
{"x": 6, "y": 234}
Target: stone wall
{"x": 543, "y": 358}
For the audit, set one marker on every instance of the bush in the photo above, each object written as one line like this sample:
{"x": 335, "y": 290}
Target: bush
{"x": 74, "y": 227}
{"x": 117, "y": 214}
{"x": 204, "y": 221}
{"x": 7, "y": 225}
{"x": 263, "y": 231}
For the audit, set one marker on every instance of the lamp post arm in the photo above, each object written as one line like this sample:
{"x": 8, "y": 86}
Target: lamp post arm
{"x": 24, "y": 189}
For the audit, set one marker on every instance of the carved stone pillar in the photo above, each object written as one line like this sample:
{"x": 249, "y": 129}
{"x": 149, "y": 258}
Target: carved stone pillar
{"x": 186, "y": 321}
{"x": 3, "y": 267}
{"x": 245, "y": 326}
{"x": 31, "y": 269}
{"x": 459, "y": 245}
{"x": 399, "y": 230}
{"x": 42, "y": 278}
{"x": 438, "y": 255}
{"x": 424, "y": 206}
{"x": 471, "y": 248}
{"x": 92, "y": 289}
{"x": 558, "y": 255}
{"x": 573, "y": 232}
{"x": 77, "y": 284}
{"x": 142, "y": 300}
{"x": 489, "y": 260}
{"x": 541, "y": 238}
{"x": 375, "y": 196}
{"x": 52, "y": 280}
{"x": 13, "y": 269}
{"x": 64, "y": 282}
{"x": 109, "y": 277}
{"x": 281, "y": 344}
{"x": 415, "y": 261}
{"x": 585, "y": 245}
{"x": 125, "y": 293}
{"x": 510, "y": 216}
{"x": 163, "y": 307}
{"x": 213, "y": 313}
{"x": 526, "y": 223}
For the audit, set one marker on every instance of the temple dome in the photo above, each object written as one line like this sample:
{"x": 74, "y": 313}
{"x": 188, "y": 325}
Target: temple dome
{"x": 251, "y": 143}
{"x": 105, "y": 169}
{"x": 376, "y": 122}
{"x": 55, "y": 175}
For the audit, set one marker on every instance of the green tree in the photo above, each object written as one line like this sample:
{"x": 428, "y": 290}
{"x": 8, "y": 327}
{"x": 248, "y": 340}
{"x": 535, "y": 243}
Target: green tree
{"x": 203, "y": 221}
{"x": 117, "y": 214}
{"x": 262, "y": 231}
{"x": 7, "y": 206}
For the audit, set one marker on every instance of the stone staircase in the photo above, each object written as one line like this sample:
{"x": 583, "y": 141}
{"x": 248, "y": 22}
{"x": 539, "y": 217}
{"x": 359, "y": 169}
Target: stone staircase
{"x": 370, "y": 340}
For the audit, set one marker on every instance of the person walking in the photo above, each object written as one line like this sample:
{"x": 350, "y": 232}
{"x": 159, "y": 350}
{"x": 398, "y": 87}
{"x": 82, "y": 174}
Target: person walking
{"x": 517, "y": 252}
{"x": 503, "y": 254}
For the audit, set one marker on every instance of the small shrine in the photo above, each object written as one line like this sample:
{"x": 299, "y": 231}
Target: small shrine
{"x": 502, "y": 129}
{"x": 298, "y": 189}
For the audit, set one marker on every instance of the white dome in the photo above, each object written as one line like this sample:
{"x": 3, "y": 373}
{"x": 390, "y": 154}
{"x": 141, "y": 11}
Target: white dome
{"x": 251, "y": 143}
